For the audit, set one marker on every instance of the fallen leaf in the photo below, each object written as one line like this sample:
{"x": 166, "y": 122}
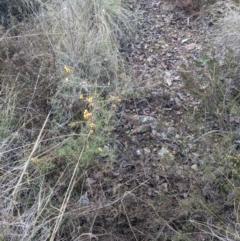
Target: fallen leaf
{"x": 149, "y": 59}
{"x": 168, "y": 78}
{"x": 191, "y": 46}
{"x": 164, "y": 187}
{"x": 181, "y": 96}
{"x": 90, "y": 181}
{"x": 194, "y": 167}
{"x": 185, "y": 40}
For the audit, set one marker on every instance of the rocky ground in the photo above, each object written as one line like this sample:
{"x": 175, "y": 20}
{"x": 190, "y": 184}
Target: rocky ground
{"x": 156, "y": 188}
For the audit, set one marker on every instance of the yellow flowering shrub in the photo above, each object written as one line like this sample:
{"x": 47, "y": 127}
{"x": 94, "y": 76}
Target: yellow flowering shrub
{"x": 67, "y": 69}
{"x": 81, "y": 96}
{"x": 90, "y": 99}
{"x": 87, "y": 115}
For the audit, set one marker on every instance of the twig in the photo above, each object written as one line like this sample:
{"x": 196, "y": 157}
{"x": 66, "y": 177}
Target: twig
{"x": 30, "y": 156}
{"x": 210, "y": 132}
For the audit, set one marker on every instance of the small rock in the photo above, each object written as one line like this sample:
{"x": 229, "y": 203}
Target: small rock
{"x": 141, "y": 129}
{"x": 138, "y": 153}
{"x": 185, "y": 194}
{"x": 115, "y": 173}
{"x": 194, "y": 167}
{"x": 165, "y": 155}
{"x": 146, "y": 151}
{"x": 147, "y": 119}
{"x": 177, "y": 136}
{"x": 84, "y": 200}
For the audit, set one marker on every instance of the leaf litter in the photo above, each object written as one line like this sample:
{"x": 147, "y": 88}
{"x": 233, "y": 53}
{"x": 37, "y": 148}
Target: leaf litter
{"x": 141, "y": 194}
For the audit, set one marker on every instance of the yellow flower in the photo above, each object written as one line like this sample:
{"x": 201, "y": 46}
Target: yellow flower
{"x": 90, "y": 99}
{"x": 114, "y": 106}
{"x": 92, "y": 125}
{"x": 99, "y": 149}
{"x": 71, "y": 124}
{"x": 34, "y": 159}
{"x": 119, "y": 100}
{"x": 81, "y": 96}
{"x": 86, "y": 114}
{"x": 91, "y": 131}
{"x": 67, "y": 69}
{"x": 112, "y": 97}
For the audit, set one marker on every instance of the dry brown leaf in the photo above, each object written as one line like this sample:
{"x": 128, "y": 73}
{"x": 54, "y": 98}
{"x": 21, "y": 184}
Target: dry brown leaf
{"x": 168, "y": 78}
{"x": 191, "y": 46}
{"x": 194, "y": 167}
{"x": 164, "y": 187}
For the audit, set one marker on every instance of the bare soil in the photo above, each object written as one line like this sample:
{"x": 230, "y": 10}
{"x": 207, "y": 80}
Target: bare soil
{"x": 156, "y": 189}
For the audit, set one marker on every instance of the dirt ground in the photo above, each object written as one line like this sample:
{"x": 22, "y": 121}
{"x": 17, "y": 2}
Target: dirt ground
{"x": 156, "y": 189}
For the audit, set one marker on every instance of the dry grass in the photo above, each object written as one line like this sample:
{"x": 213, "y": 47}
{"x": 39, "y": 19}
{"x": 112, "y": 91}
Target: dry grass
{"x": 59, "y": 87}
{"x": 213, "y": 81}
